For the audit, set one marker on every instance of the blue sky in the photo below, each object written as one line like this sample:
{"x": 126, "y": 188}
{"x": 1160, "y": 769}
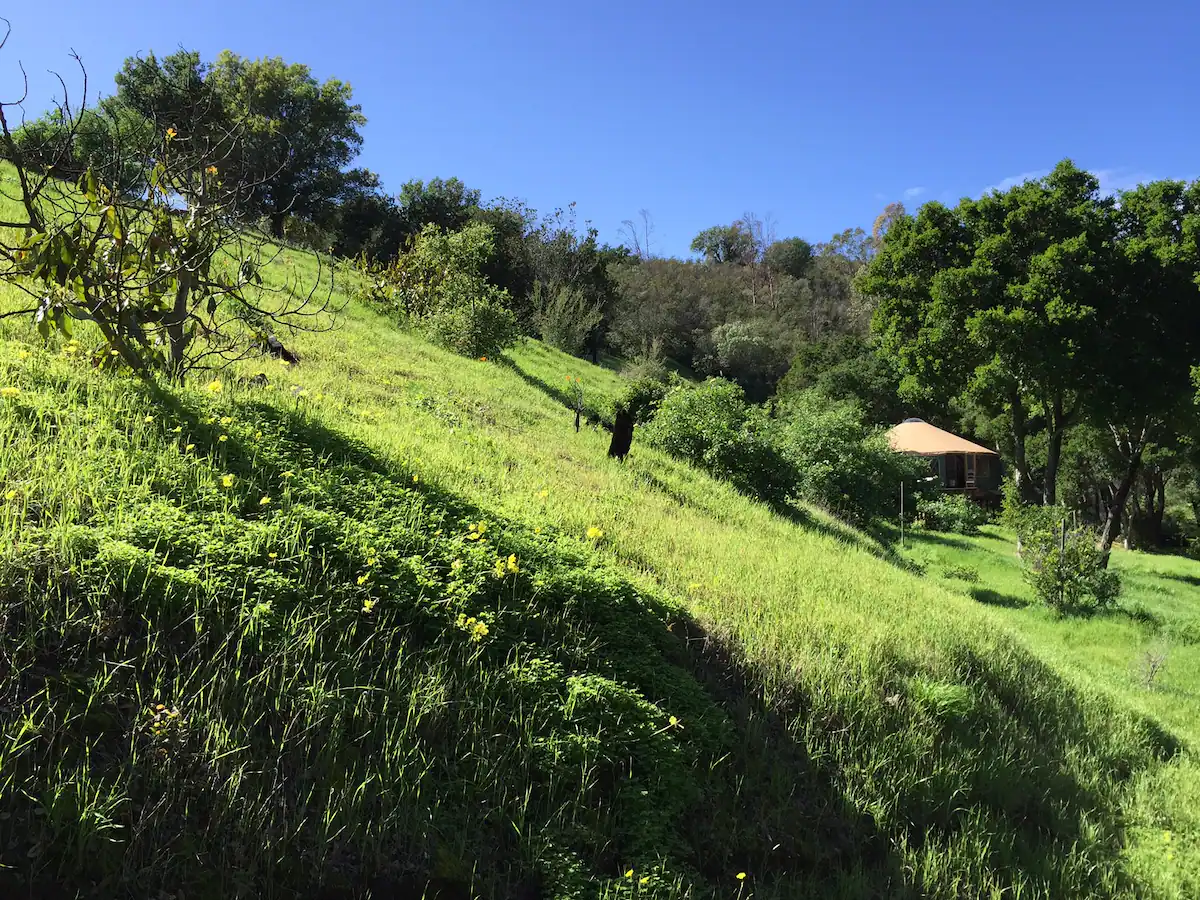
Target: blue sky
{"x": 817, "y": 114}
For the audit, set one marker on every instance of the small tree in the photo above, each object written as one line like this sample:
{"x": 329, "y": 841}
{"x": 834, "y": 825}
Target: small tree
{"x": 1067, "y": 570}
{"x": 169, "y": 281}
{"x": 565, "y": 318}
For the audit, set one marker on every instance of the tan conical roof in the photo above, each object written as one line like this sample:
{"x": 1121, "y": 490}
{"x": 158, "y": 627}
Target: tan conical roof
{"x": 917, "y": 436}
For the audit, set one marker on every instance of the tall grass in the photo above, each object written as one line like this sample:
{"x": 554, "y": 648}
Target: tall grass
{"x": 404, "y": 630}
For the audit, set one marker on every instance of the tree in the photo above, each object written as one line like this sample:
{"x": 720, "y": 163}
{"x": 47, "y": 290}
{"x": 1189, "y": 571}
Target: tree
{"x": 791, "y": 257}
{"x": 636, "y": 236}
{"x": 448, "y": 204}
{"x": 726, "y": 244}
{"x": 1143, "y": 391}
{"x": 167, "y": 279}
{"x": 1004, "y": 298}
{"x": 296, "y": 136}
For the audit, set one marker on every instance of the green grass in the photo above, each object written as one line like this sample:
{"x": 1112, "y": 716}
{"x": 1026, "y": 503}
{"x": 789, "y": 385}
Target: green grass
{"x": 675, "y": 681}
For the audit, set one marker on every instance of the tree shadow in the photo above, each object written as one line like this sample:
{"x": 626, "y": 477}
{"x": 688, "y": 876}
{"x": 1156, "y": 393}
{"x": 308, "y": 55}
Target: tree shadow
{"x": 996, "y": 598}
{"x": 1193, "y": 580}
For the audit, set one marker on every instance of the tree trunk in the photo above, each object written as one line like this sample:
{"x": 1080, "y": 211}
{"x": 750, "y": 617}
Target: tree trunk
{"x": 1116, "y": 509}
{"x": 1056, "y": 426}
{"x": 277, "y": 220}
{"x": 1025, "y": 489}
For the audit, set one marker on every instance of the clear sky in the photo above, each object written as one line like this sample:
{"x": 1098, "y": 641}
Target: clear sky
{"x": 815, "y": 113}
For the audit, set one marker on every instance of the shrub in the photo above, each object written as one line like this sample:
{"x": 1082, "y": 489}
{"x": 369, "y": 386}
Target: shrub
{"x": 438, "y": 285}
{"x": 713, "y": 427}
{"x": 1067, "y": 570}
{"x": 642, "y": 398}
{"x": 961, "y": 573}
{"x": 565, "y": 317}
{"x": 478, "y": 329}
{"x": 841, "y": 463}
{"x": 951, "y": 512}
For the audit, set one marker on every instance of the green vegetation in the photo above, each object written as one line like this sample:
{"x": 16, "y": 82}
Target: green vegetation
{"x": 838, "y": 728}
{"x": 380, "y": 617}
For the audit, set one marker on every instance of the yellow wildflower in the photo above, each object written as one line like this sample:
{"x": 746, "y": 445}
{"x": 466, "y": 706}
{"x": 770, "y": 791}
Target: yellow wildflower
{"x": 171, "y": 134}
{"x": 499, "y": 567}
{"x": 11, "y": 495}
{"x": 369, "y": 605}
{"x": 227, "y": 481}
{"x": 222, "y": 439}
{"x": 629, "y": 874}
{"x": 673, "y": 721}
{"x": 512, "y": 563}
{"x": 214, "y": 386}
{"x": 542, "y": 495}
{"x": 226, "y": 420}
{"x": 190, "y": 447}
{"x": 24, "y": 354}
{"x": 302, "y": 394}
{"x": 371, "y": 560}
{"x": 414, "y": 479}
{"x": 272, "y": 556}
{"x": 149, "y": 419}
{"x": 289, "y": 474}
{"x": 265, "y": 501}
{"x": 10, "y": 392}
{"x": 178, "y": 429}
{"x": 594, "y": 533}
{"x": 362, "y": 579}
{"x": 456, "y": 565}
{"x": 211, "y": 170}
{"x": 258, "y": 433}
{"x": 741, "y": 876}
{"x": 644, "y": 880}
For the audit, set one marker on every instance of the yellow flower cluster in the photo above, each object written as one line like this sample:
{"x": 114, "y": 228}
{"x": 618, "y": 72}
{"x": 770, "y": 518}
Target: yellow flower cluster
{"x": 369, "y": 605}
{"x": 161, "y": 719}
{"x": 475, "y": 532}
{"x": 9, "y": 392}
{"x": 594, "y": 533}
{"x": 214, "y": 386}
{"x": 504, "y": 566}
{"x": 472, "y": 626}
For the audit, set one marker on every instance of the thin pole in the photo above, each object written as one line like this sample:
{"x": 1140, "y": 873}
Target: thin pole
{"x": 902, "y": 515}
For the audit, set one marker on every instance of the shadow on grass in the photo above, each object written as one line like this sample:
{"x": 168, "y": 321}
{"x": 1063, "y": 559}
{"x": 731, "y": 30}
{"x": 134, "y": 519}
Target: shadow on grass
{"x": 592, "y": 412}
{"x": 1193, "y": 580}
{"x": 996, "y": 598}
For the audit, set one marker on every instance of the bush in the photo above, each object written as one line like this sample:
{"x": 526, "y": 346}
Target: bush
{"x": 961, "y": 573}
{"x": 479, "y": 329}
{"x": 438, "y": 285}
{"x": 1066, "y": 569}
{"x": 565, "y": 318}
{"x": 841, "y": 464}
{"x": 713, "y": 427}
{"x": 642, "y": 398}
{"x": 952, "y": 513}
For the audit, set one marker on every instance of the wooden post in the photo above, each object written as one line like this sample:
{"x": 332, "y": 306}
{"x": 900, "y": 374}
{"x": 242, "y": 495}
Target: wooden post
{"x": 1062, "y": 549}
{"x": 902, "y": 515}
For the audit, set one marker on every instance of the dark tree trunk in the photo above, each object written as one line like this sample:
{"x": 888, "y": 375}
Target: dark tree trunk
{"x": 1055, "y": 427}
{"x": 1133, "y": 450}
{"x": 622, "y": 435}
{"x": 1025, "y": 489}
{"x": 277, "y": 220}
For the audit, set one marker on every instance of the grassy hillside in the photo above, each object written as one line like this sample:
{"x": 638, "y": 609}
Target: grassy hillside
{"x": 389, "y": 625}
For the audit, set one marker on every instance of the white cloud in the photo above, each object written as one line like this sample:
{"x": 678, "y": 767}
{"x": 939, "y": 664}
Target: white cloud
{"x": 913, "y": 193}
{"x": 1113, "y": 180}
{"x": 1013, "y": 180}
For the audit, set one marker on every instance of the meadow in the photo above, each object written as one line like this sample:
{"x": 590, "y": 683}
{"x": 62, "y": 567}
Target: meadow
{"x": 389, "y": 626}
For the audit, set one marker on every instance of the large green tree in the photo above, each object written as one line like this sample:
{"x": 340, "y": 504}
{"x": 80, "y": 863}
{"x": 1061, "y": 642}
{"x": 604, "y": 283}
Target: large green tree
{"x": 1003, "y": 298}
{"x": 1142, "y": 390}
{"x": 291, "y": 138}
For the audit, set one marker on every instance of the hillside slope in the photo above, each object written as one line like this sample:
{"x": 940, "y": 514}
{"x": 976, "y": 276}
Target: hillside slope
{"x": 389, "y": 625}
